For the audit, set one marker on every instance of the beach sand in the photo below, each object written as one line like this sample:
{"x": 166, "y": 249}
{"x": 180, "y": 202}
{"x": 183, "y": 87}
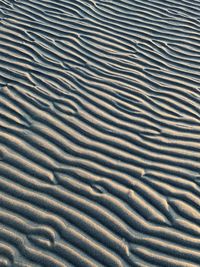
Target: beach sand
{"x": 99, "y": 133}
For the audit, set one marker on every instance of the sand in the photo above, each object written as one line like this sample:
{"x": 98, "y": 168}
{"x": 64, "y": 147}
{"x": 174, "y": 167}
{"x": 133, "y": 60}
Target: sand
{"x": 99, "y": 133}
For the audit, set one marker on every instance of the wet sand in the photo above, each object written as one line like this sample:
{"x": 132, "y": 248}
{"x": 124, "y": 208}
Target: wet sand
{"x": 99, "y": 133}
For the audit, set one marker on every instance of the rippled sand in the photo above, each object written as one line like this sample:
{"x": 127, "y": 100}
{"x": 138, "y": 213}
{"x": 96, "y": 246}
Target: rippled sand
{"x": 99, "y": 133}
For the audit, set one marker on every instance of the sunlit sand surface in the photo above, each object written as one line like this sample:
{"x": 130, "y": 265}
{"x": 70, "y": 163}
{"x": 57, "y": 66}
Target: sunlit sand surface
{"x": 99, "y": 133}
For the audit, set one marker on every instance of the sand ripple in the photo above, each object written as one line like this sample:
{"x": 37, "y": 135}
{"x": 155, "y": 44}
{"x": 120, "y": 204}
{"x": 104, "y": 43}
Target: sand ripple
{"x": 99, "y": 133}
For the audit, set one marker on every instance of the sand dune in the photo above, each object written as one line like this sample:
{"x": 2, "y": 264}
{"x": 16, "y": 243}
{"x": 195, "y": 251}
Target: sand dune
{"x": 99, "y": 133}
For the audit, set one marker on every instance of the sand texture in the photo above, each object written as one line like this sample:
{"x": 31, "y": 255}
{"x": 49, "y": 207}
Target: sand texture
{"x": 99, "y": 133}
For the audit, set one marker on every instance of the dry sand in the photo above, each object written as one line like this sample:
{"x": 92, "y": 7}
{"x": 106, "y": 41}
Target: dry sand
{"x": 99, "y": 133}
